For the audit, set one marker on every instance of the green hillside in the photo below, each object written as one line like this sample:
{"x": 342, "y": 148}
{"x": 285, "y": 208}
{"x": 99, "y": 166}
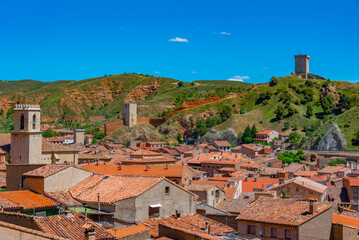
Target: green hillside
{"x": 286, "y": 104}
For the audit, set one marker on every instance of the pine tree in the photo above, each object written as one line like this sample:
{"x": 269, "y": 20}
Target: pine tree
{"x": 253, "y": 131}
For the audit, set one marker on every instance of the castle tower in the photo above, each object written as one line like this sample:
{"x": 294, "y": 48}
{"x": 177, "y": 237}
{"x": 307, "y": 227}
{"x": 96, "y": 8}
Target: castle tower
{"x": 129, "y": 114}
{"x": 302, "y": 65}
{"x": 26, "y": 138}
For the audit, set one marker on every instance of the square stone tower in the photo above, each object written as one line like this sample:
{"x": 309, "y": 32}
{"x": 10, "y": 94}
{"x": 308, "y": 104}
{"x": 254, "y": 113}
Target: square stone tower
{"x": 26, "y": 138}
{"x": 302, "y": 65}
{"x": 79, "y": 136}
{"x": 129, "y": 114}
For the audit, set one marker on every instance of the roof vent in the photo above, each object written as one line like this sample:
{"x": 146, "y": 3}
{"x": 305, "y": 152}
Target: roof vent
{"x": 105, "y": 177}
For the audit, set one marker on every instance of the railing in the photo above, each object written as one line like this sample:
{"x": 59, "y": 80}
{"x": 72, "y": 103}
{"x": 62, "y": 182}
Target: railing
{"x": 24, "y": 106}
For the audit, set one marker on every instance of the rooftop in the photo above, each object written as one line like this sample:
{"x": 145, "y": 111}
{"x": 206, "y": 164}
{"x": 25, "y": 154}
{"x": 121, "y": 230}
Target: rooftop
{"x": 25, "y": 200}
{"x": 46, "y": 170}
{"x": 314, "y": 186}
{"x": 128, "y": 231}
{"x": 192, "y": 222}
{"x": 71, "y": 227}
{"x": 139, "y": 170}
{"x": 281, "y": 211}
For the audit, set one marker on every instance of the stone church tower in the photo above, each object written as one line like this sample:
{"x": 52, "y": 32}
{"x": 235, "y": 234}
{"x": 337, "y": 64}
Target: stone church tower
{"x": 129, "y": 114}
{"x": 26, "y": 138}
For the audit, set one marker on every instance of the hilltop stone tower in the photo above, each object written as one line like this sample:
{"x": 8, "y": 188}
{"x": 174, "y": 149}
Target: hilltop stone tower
{"x": 26, "y": 138}
{"x": 129, "y": 114}
{"x": 302, "y": 65}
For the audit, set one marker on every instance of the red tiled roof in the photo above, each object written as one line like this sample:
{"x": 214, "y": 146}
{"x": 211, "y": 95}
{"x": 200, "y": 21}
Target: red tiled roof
{"x": 305, "y": 173}
{"x": 306, "y": 183}
{"x": 139, "y": 170}
{"x": 192, "y": 222}
{"x": 280, "y": 211}
{"x": 222, "y": 143}
{"x": 52, "y": 147}
{"x": 352, "y": 181}
{"x": 112, "y": 188}
{"x": 143, "y": 152}
{"x": 27, "y": 199}
{"x": 345, "y": 220}
{"x": 71, "y": 227}
{"x": 64, "y": 198}
{"x": 46, "y": 170}
{"x": 264, "y": 132}
{"x": 128, "y": 231}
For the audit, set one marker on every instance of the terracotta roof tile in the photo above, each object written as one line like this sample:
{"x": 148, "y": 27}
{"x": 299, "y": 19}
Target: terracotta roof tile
{"x": 139, "y": 170}
{"x": 234, "y": 205}
{"x": 64, "y": 198}
{"x": 280, "y": 211}
{"x": 71, "y": 227}
{"x": 345, "y": 220}
{"x": 46, "y": 170}
{"x": 128, "y": 231}
{"x": 27, "y": 199}
{"x": 192, "y": 222}
{"x": 264, "y": 132}
{"x": 112, "y": 188}
{"x": 52, "y": 147}
{"x": 314, "y": 186}
{"x": 222, "y": 143}
{"x": 352, "y": 181}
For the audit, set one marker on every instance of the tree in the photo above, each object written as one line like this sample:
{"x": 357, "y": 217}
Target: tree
{"x": 309, "y": 112}
{"x": 247, "y": 135}
{"x": 226, "y": 112}
{"x": 346, "y": 102}
{"x": 253, "y": 131}
{"x": 291, "y": 111}
{"x": 47, "y": 134}
{"x": 180, "y": 84}
{"x": 279, "y": 112}
{"x": 327, "y": 104}
{"x": 355, "y": 140}
{"x": 179, "y": 138}
{"x": 273, "y": 82}
{"x": 1, "y": 112}
{"x": 294, "y": 137}
{"x": 286, "y": 125}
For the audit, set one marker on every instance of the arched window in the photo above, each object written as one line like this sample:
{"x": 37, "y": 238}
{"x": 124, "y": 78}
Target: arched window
{"x": 22, "y": 122}
{"x": 34, "y": 121}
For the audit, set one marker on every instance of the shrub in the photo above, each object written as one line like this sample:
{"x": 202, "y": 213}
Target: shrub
{"x": 273, "y": 82}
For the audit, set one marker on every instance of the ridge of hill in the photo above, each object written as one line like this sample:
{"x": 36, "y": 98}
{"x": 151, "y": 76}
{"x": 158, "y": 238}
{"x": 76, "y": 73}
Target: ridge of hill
{"x": 239, "y": 104}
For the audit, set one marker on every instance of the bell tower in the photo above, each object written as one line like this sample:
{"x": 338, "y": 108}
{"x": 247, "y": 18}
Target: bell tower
{"x": 26, "y": 138}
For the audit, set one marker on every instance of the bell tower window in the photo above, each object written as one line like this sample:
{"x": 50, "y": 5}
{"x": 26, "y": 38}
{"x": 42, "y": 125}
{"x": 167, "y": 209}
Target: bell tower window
{"x": 34, "y": 121}
{"x": 22, "y": 122}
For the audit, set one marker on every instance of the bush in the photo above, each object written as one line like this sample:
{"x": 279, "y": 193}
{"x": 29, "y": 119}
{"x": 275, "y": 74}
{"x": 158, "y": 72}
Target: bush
{"x": 355, "y": 140}
{"x": 47, "y": 134}
{"x": 273, "y": 82}
{"x": 336, "y": 162}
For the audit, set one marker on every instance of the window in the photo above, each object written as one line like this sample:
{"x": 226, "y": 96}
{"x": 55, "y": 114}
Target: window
{"x": 355, "y": 190}
{"x": 167, "y": 190}
{"x": 34, "y": 121}
{"x": 287, "y": 234}
{"x": 154, "y": 211}
{"x": 212, "y": 193}
{"x": 22, "y": 122}
{"x": 217, "y": 193}
{"x": 297, "y": 189}
{"x": 356, "y": 200}
{"x": 251, "y": 229}
{"x": 273, "y": 232}
{"x": 288, "y": 189}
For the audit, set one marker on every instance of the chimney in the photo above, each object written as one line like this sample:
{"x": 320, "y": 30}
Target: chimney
{"x": 119, "y": 166}
{"x": 90, "y": 234}
{"x": 68, "y": 214}
{"x": 85, "y": 214}
{"x": 312, "y": 206}
{"x": 281, "y": 181}
{"x": 147, "y": 167}
{"x": 166, "y": 166}
{"x": 255, "y": 179}
{"x": 246, "y": 179}
{"x": 178, "y": 214}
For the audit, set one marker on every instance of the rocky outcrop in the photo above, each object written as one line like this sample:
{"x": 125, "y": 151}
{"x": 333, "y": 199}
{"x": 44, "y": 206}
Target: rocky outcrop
{"x": 226, "y": 135}
{"x": 332, "y": 140}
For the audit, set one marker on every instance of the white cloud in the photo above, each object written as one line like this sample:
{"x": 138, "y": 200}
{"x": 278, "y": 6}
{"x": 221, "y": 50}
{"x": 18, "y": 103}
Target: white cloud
{"x": 265, "y": 68}
{"x": 194, "y": 72}
{"x": 177, "y": 39}
{"x": 225, "y": 33}
{"x": 238, "y": 78}
{"x": 157, "y": 72}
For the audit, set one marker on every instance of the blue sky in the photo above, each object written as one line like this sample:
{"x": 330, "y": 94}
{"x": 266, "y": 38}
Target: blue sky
{"x": 212, "y": 40}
